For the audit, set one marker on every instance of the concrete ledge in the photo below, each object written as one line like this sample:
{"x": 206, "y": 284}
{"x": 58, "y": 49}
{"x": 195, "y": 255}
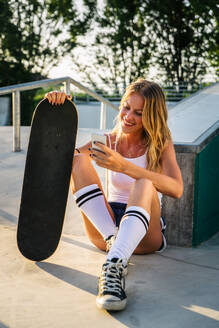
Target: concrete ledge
{"x": 194, "y": 218}
{"x": 199, "y": 143}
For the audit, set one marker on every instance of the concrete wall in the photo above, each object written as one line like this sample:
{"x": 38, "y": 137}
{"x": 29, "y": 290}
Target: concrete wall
{"x": 179, "y": 213}
{"x": 194, "y": 124}
{"x": 194, "y": 218}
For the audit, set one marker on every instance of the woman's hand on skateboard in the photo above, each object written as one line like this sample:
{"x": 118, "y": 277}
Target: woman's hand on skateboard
{"x": 57, "y": 97}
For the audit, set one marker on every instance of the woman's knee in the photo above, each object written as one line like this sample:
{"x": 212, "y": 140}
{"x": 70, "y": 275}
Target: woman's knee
{"x": 144, "y": 183}
{"x": 149, "y": 244}
{"x": 83, "y": 173}
{"x": 142, "y": 194}
{"x": 143, "y": 186}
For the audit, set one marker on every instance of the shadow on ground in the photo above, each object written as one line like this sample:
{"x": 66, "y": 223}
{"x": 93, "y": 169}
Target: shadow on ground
{"x": 81, "y": 244}
{"x": 79, "y": 279}
{"x": 3, "y": 326}
{"x": 192, "y": 306}
{"x": 7, "y": 216}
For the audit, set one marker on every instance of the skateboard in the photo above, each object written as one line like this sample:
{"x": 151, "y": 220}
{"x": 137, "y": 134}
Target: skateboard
{"x": 46, "y": 179}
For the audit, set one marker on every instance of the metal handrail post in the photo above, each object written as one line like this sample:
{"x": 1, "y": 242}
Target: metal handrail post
{"x": 16, "y": 117}
{"x": 67, "y": 86}
{"x": 103, "y": 116}
{"x": 103, "y": 127}
{"x": 16, "y": 89}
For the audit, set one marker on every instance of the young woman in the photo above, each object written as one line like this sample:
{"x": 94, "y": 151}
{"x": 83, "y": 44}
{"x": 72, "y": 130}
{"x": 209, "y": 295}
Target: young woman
{"x": 142, "y": 166}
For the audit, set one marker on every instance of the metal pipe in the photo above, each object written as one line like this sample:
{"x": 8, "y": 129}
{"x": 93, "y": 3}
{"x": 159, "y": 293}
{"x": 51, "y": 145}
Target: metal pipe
{"x": 67, "y": 87}
{"x": 103, "y": 116}
{"x": 16, "y": 117}
{"x": 49, "y": 82}
{"x": 106, "y": 183}
{"x": 16, "y": 89}
{"x": 32, "y": 85}
{"x": 93, "y": 94}
{"x": 103, "y": 127}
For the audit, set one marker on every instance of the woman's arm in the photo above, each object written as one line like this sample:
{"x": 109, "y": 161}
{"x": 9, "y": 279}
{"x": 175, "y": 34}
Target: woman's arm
{"x": 168, "y": 182}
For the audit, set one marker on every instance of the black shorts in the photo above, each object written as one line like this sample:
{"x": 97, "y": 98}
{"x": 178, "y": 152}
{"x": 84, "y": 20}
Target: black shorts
{"x": 119, "y": 211}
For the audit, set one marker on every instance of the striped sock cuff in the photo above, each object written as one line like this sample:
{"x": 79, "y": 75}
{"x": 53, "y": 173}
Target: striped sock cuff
{"x": 85, "y": 194}
{"x": 139, "y": 213}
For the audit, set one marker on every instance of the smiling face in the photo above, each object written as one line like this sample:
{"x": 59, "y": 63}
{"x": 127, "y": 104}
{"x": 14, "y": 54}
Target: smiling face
{"x": 131, "y": 114}
{"x": 143, "y": 115}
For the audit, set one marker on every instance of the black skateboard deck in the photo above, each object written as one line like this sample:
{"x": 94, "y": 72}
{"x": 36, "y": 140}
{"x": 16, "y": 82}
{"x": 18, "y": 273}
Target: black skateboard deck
{"x": 46, "y": 179}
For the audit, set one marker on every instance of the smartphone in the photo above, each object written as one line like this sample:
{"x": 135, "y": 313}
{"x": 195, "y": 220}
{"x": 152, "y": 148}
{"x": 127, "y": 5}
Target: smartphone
{"x": 98, "y": 137}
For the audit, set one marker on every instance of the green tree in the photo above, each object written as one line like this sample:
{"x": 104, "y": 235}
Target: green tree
{"x": 32, "y": 40}
{"x": 26, "y": 38}
{"x": 184, "y": 34}
{"x": 24, "y": 51}
{"x": 74, "y": 16}
{"x": 120, "y": 46}
{"x": 178, "y": 37}
{"x": 124, "y": 34}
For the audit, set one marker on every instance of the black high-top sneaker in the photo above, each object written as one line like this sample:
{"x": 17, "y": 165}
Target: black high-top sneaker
{"x": 111, "y": 294}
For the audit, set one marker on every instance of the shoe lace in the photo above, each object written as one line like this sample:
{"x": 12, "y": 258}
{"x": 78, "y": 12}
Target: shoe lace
{"x": 111, "y": 279}
{"x": 109, "y": 243}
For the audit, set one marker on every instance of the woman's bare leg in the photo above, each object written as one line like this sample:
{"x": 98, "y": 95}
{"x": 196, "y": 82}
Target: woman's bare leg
{"x": 144, "y": 194}
{"x": 84, "y": 174}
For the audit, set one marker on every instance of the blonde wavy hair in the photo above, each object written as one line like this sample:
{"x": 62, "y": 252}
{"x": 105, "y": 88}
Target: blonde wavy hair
{"x": 154, "y": 119}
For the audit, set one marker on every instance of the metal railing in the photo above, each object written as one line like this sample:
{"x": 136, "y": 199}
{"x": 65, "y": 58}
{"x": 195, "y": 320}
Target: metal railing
{"x": 173, "y": 92}
{"x": 67, "y": 81}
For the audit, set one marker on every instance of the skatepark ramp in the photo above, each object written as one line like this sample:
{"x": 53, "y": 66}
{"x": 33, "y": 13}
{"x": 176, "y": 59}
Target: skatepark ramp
{"x": 194, "y": 124}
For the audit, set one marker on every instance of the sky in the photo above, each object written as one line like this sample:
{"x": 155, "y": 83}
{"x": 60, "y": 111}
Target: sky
{"x": 65, "y": 68}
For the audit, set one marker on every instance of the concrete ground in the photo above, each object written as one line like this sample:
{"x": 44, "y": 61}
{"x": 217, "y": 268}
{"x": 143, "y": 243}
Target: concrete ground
{"x": 177, "y": 289}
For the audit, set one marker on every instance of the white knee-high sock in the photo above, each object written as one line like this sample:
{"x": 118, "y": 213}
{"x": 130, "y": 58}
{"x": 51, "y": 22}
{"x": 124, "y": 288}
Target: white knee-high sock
{"x": 133, "y": 227}
{"x": 91, "y": 201}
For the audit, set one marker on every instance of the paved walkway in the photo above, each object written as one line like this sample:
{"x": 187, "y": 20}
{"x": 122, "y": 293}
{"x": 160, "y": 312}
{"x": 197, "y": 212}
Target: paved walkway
{"x": 175, "y": 290}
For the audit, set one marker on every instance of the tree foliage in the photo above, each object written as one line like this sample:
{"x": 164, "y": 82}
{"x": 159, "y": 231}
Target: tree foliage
{"x": 74, "y": 16}
{"x": 25, "y": 46}
{"x": 25, "y": 41}
{"x": 32, "y": 40}
{"x": 184, "y": 36}
{"x": 123, "y": 34}
{"x": 178, "y": 37}
{"x": 126, "y": 38}
{"x": 121, "y": 44}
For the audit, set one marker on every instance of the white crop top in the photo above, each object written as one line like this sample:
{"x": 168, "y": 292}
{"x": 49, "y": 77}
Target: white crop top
{"x": 119, "y": 184}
